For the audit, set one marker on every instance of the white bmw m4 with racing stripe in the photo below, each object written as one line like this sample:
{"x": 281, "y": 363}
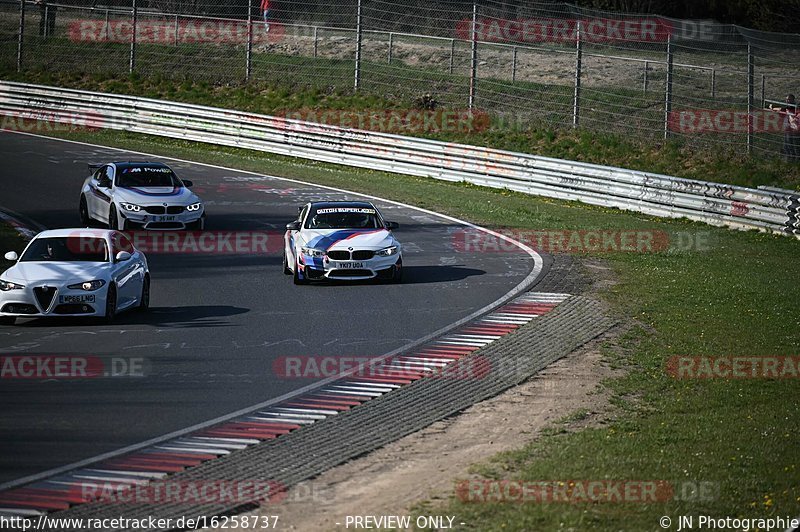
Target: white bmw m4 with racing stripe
{"x": 139, "y": 195}
{"x": 341, "y": 240}
{"x": 74, "y": 272}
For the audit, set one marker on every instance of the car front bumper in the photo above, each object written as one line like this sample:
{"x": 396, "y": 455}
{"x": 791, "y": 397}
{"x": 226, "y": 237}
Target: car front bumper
{"x": 315, "y": 268}
{"x": 143, "y": 220}
{"x": 24, "y": 303}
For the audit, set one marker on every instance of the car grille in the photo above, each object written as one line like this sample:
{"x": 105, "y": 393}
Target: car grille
{"x": 19, "y": 308}
{"x": 44, "y": 295}
{"x": 154, "y": 210}
{"x": 349, "y": 273}
{"x": 339, "y": 255}
{"x": 177, "y": 209}
{"x": 73, "y": 308}
{"x": 355, "y": 255}
{"x": 165, "y": 225}
{"x": 363, "y": 255}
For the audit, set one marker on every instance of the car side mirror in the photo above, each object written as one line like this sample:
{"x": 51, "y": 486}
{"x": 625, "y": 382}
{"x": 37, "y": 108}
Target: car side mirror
{"x": 187, "y": 183}
{"x": 392, "y": 225}
{"x": 122, "y": 256}
{"x": 294, "y": 226}
{"x": 11, "y": 255}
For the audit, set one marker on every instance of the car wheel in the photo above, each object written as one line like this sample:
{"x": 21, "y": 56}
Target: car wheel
{"x": 112, "y": 218}
{"x": 286, "y": 269}
{"x": 397, "y": 272}
{"x": 84, "y": 212}
{"x": 7, "y": 320}
{"x": 298, "y": 277}
{"x": 111, "y": 305}
{"x": 199, "y": 225}
{"x": 144, "y": 300}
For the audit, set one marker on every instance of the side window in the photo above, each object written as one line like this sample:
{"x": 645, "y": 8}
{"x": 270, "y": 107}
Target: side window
{"x": 303, "y": 214}
{"x": 98, "y": 173}
{"x": 122, "y": 243}
{"x": 109, "y": 173}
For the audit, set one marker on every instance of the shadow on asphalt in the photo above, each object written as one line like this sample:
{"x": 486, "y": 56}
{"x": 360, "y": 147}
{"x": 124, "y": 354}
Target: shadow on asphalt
{"x": 169, "y": 317}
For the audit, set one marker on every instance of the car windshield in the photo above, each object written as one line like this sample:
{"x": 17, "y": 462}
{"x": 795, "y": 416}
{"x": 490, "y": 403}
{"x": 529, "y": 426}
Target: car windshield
{"x": 66, "y": 249}
{"x": 344, "y": 218}
{"x": 147, "y": 176}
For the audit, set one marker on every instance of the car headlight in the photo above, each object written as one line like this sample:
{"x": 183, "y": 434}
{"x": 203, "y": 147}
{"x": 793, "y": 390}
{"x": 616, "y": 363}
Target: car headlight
{"x": 5, "y": 286}
{"x": 130, "y": 207}
{"x": 385, "y": 252}
{"x": 194, "y": 207}
{"x": 313, "y": 252}
{"x": 89, "y": 286}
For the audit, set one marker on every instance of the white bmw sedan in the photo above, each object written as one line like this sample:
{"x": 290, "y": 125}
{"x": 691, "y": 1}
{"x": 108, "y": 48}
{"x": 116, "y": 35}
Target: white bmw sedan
{"x": 139, "y": 195}
{"x": 75, "y": 272}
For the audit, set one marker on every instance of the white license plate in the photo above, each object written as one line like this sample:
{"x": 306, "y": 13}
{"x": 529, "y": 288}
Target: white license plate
{"x": 163, "y": 218}
{"x": 89, "y": 298}
{"x": 350, "y": 265}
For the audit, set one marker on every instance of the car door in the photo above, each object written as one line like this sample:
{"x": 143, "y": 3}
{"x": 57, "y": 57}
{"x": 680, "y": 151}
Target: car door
{"x": 291, "y": 237}
{"x": 128, "y": 274}
{"x": 100, "y": 199}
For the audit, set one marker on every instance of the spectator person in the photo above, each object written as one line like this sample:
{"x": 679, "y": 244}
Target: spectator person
{"x": 790, "y": 121}
{"x": 265, "y": 13}
{"x": 47, "y": 20}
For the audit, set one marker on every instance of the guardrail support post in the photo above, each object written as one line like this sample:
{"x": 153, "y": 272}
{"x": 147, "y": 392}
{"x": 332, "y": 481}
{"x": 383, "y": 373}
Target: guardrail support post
{"x": 391, "y": 45}
{"x": 576, "y": 100}
{"x": 668, "y": 89}
{"x": 713, "y": 82}
{"x": 359, "y": 35}
{"x": 452, "y": 53}
{"x": 248, "y": 56}
{"x": 134, "y": 23}
{"x": 514, "y": 66}
{"x": 473, "y": 73}
{"x": 751, "y": 81}
{"x": 21, "y": 36}
{"x": 646, "y": 74}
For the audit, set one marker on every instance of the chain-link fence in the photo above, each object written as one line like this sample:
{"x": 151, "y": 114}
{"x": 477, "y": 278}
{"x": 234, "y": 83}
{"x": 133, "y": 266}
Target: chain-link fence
{"x": 528, "y": 65}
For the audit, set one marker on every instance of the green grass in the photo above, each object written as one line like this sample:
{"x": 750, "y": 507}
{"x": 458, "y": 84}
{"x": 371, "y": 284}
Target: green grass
{"x": 737, "y": 297}
{"x": 620, "y": 126}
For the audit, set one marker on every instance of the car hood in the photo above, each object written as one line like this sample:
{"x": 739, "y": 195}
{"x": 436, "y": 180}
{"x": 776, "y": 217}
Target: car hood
{"x": 156, "y": 195}
{"x": 35, "y": 272}
{"x": 348, "y": 238}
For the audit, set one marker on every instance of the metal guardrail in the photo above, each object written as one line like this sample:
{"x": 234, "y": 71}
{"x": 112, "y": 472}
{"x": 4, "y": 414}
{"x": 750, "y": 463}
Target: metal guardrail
{"x": 658, "y": 195}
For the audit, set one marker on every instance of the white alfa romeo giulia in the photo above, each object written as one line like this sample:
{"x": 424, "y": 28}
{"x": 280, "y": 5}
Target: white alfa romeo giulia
{"x": 74, "y": 272}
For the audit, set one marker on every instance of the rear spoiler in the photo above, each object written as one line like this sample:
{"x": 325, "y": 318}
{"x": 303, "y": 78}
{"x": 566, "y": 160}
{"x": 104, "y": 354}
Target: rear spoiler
{"x": 95, "y": 166}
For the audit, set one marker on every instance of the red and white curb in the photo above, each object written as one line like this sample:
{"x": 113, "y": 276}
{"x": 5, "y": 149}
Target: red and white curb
{"x": 160, "y": 460}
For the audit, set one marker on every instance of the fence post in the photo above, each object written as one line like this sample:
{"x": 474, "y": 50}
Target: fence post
{"x": 108, "y": 26}
{"x": 668, "y": 88}
{"x": 391, "y": 44}
{"x": 763, "y": 91}
{"x": 315, "y": 41}
{"x": 646, "y": 80}
{"x": 21, "y": 36}
{"x": 248, "y": 56}
{"x": 751, "y": 81}
{"x": 359, "y": 35}
{"x": 473, "y": 74}
{"x": 134, "y": 23}
{"x": 514, "y": 66}
{"x": 177, "y": 25}
{"x": 576, "y": 101}
{"x": 452, "y": 53}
